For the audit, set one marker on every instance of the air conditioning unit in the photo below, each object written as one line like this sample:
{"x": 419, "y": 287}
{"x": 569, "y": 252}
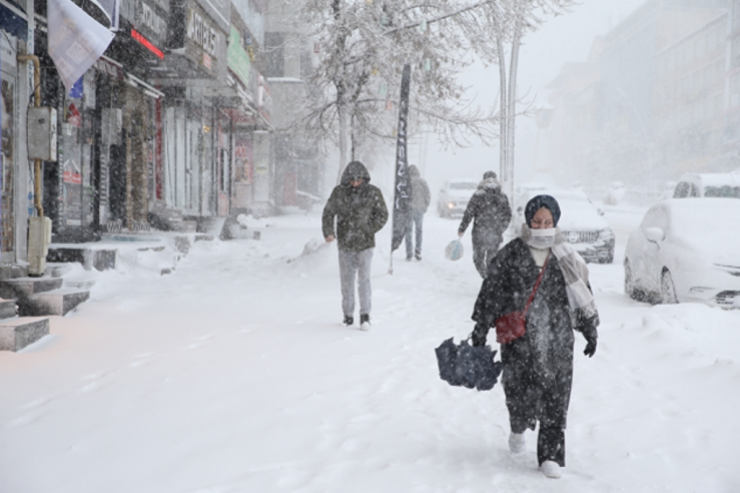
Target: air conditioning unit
{"x": 39, "y": 237}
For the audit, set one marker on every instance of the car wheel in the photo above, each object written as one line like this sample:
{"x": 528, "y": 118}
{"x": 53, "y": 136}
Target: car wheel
{"x": 667, "y": 289}
{"x": 629, "y": 282}
{"x": 608, "y": 259}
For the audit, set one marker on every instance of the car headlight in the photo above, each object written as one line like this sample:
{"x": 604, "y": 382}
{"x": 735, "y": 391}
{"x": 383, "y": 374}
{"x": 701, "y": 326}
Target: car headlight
{"x": 606, "y": 234}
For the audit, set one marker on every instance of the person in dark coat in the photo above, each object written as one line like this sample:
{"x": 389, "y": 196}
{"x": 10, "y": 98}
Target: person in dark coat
{"x": 420, "y": 200}
{"x": 360, "y": 212}
{"x": 538, "y": 366}
{"x": 490, "y": 210}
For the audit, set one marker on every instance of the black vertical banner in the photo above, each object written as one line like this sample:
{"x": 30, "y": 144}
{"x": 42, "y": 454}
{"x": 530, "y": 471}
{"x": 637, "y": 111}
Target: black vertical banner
{"x": 402, "y": 187}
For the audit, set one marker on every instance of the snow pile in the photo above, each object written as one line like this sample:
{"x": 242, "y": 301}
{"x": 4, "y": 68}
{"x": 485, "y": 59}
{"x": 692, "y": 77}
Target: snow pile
{"x": 235, "y": 374}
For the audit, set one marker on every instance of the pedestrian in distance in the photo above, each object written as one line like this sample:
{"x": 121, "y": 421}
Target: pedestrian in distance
{"x": 359, "y": 211}
{"x": 538, "y": 365}
{"x": 420, "y": 200}
{"x": 490, "y": 212}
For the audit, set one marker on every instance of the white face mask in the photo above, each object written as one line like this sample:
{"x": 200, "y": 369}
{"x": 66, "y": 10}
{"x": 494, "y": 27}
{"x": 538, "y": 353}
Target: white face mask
{"x": 542, "y": 238}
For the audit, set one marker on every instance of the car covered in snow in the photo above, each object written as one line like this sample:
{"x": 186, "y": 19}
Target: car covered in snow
{"x": 684, "y": 251}
{"x": 454, "y": 196}
{"x": 581, "y": 222}
{"x": 692, "y": 185}
{"x": 615, "y": 194}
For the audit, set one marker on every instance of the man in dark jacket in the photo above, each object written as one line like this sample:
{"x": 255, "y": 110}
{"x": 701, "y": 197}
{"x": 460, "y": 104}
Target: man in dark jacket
{"x": 360, "y": 212}
{"x": 490, "y": 210}
{"x": 420, "y": 199}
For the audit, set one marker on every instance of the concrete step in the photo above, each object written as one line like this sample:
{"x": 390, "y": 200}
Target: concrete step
{"x": 17, "y": 333}
{"x": 13, "y": 271}
{"x": 8, "y": 309}
{"x": 58, "y": 302}
{"x": 98, "y": 258}
{"x": 57, "y": 269}
{"x": 27, "y": 286}
{"x": 80, "y": 283}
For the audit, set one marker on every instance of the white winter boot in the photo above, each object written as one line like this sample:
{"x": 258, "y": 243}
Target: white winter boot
{"x": 516, "y": 443}
{"x": 551, "y": 469}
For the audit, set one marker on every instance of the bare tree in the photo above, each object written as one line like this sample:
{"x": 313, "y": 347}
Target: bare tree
{"x": 365, "y": 43}
{"x": 363, "y": 47}
{"x": 496, "y": 35}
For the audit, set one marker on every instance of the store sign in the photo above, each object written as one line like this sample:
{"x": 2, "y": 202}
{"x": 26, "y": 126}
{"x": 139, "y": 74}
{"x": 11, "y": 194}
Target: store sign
{"x": 147, "y": 17}
{"x": 104, "y": 66}
{"x": 202, "y": 32}
{"x": 239, "y": 62}
{"x": 147, "y": 44}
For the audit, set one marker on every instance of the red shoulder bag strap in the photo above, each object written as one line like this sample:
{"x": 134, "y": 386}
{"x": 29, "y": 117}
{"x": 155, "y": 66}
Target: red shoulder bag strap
{"x": 536, "y": 285}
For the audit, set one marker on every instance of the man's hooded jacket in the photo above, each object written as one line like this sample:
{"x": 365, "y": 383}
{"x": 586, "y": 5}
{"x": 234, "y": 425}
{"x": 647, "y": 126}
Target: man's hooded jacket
{"x": 360, "y": 211}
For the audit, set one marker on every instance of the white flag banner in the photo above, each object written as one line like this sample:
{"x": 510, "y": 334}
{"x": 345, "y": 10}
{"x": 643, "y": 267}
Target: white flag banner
{"x": 76, "y": 40}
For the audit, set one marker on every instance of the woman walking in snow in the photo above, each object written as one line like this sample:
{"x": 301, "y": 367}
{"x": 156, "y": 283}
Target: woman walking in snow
{"x": 538, "y": 366}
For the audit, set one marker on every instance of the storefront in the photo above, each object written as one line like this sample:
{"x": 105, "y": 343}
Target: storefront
{"x": 16, "y": 181}
{"x": 8, "y": 143}
{"x": 196, "y": 137}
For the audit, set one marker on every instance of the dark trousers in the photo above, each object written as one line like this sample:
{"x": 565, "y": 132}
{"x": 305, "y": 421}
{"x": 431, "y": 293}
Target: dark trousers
{"x": 483, "y": 252}
{"x": 551, "y": 444}
{"x": 529, "y": 401}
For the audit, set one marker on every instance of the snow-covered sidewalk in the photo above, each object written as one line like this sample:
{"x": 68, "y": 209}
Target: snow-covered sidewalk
{"x": 234, "y": 374}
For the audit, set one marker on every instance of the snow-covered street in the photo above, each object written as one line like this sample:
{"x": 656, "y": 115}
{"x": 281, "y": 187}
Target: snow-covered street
{"x": 235, "y": 374}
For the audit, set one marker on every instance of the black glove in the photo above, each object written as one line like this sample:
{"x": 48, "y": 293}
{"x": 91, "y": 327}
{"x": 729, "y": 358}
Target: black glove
{"x": 590, "y": 344}
{"x": 479, "y": 335}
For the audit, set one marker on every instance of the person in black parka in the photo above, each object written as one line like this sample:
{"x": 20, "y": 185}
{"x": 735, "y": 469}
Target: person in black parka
{"x": 538, "y": 366}
{"x": 490, "y": 210}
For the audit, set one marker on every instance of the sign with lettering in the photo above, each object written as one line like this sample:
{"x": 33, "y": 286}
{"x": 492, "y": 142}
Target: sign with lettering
{"x": 146, "y": 16}
{"x": 202, "y": 32}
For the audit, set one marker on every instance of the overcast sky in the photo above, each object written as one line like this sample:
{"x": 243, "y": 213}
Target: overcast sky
{"x": 563, "y": 39}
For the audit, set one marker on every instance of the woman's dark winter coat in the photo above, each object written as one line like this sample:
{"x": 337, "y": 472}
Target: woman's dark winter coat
{"x": 538, "y": 367}
{"x": 360, "y": 211}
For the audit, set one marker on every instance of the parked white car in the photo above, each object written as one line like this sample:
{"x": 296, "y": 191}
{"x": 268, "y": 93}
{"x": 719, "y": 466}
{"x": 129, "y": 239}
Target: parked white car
{"x": 581, "y": 222}
{"x": 686, "y": 250}
{"x": 454, "y": 196}
{"x": 708, "y": 185}
{"x": 615, "y": 194}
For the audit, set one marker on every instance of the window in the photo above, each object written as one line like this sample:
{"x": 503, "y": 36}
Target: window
{"x": 681, "y": 191}
{"x": 724, "y": 191}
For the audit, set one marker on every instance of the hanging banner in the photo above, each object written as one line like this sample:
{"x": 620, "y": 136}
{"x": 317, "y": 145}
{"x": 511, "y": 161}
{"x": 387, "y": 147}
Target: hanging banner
{"x": 76, "y": 40}
{"x": 402, "y": 187}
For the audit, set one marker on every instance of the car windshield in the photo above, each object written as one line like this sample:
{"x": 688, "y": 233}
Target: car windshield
{"x": 462, "y": 185}
{"x": 724, "y": 191}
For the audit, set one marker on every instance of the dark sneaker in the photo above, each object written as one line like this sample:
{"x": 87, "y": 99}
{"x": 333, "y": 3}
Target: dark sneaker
{"x": 364, "y": 321}
{"x": 418, "y": 256}
{"x": 409, "y": 258}
{"x": 348, "y": 320}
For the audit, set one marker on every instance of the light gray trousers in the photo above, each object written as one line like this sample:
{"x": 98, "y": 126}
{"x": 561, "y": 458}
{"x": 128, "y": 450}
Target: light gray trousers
{"x": 351, "y": 263}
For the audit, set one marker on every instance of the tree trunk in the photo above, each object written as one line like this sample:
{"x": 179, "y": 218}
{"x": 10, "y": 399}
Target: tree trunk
{"x": 503, "y": 107}
{"x": 342, "y": 112}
